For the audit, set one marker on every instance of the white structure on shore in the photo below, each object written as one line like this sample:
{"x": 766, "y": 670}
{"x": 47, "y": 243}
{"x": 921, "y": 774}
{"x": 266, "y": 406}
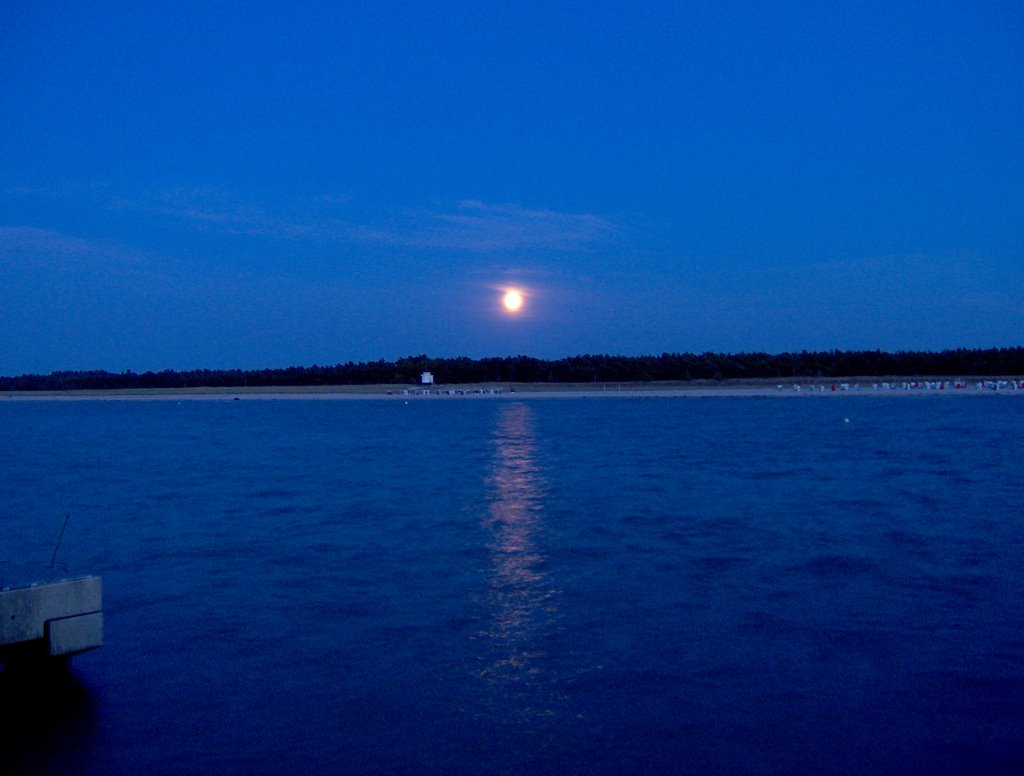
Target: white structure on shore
{"x": 427, "y": 378}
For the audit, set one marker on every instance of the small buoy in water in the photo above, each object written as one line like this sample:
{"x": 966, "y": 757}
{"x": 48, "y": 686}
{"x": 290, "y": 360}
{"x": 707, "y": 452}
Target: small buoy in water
{"x": 846, "y": 420}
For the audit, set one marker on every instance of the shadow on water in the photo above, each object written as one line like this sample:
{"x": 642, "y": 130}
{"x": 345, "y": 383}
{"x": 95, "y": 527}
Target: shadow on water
{"x": 45, "y": 713}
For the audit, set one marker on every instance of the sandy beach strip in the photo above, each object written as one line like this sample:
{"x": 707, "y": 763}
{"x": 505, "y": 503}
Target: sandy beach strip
{"x": 850, "y": 387}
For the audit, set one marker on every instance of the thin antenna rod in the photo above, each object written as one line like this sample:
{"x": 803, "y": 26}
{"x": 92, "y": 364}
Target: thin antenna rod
{"x": 59, "y": 537}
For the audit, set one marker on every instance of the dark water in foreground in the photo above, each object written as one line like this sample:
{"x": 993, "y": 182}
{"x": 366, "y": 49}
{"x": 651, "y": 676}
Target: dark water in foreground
{"x": 501, "y": 586}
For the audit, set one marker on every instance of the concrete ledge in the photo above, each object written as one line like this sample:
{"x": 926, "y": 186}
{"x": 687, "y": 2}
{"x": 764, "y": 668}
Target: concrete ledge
{"x": 25, "y": 611}
{"x": 71, "y": 635}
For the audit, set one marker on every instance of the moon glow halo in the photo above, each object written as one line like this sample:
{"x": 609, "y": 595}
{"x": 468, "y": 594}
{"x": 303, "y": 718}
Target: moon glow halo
{"x": 513, "y": 300}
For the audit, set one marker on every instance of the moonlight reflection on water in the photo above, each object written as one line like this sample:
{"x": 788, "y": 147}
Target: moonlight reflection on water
{"x": 520, "y": 595}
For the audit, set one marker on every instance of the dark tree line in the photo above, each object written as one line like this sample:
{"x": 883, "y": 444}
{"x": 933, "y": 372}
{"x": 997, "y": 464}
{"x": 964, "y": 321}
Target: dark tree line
{"x": 576, "y": 369}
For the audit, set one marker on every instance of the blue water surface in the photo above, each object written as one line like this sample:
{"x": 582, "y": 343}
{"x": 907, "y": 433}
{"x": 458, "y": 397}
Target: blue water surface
{"x": 599, "y": 585}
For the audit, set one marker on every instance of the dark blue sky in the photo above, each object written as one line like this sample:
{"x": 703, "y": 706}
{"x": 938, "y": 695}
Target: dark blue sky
{"x": 229, "y": 185}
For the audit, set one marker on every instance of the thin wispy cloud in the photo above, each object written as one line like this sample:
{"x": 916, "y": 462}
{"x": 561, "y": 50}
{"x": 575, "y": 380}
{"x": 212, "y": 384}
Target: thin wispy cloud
{"x": 215, "y": 208}
{"x": 47, "y": 246}
{"x": 32, "y": 239}
{"x": 470, "y": 226}
{"x": 477, "y": 226}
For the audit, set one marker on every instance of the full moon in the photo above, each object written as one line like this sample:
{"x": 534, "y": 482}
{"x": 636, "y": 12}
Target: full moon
{"x": 512, "y": 300}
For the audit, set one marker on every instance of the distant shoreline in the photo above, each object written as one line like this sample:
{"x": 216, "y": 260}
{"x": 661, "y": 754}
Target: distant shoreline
{"x": 908, "y": 387}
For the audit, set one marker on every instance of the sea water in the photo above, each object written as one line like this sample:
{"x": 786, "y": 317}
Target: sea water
{"x": 508, "y": 585}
